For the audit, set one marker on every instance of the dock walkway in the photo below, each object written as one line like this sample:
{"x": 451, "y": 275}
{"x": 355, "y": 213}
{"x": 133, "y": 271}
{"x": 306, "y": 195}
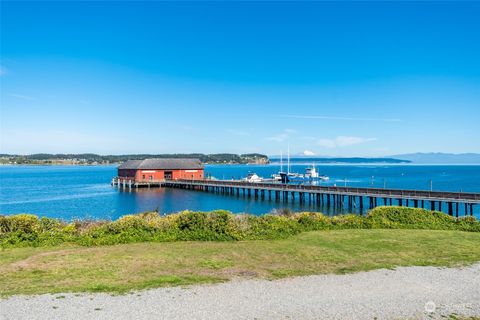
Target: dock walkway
{"x": 331, "y": 196}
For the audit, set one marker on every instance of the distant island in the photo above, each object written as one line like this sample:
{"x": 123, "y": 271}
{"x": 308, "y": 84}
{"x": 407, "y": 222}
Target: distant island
{"x": 95, "y": 159}
{"x": 440, "y": 158}
{"x": 413, "y": 158}
{"x": 231, "y": 158}
{"x": 319, "y": 160}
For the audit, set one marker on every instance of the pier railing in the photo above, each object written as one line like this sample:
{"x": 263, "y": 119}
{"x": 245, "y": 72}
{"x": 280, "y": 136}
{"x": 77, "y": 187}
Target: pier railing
{"x": 466, "y": 197}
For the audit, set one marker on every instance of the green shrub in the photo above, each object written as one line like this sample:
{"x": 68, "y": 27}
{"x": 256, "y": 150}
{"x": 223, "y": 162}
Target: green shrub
{"x": 349, "y": 221}
{"x": 272, "y": 227}
{"x": 29, "y": 230}
{"x": 409, "y": 218}
{"x": 23, "y": 222}
{"x": 310, "y": 221}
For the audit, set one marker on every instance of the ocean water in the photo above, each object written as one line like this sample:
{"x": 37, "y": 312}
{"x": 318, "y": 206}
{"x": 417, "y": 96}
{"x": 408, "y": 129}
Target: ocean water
{"x": 74, "y": 192}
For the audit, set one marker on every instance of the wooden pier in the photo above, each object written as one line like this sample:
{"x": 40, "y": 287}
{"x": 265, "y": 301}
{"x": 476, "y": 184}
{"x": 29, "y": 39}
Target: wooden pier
{"x": 342, "y": 197}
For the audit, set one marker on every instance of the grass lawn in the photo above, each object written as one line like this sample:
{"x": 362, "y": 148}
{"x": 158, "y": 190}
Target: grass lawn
{"x": 121, "y": 268}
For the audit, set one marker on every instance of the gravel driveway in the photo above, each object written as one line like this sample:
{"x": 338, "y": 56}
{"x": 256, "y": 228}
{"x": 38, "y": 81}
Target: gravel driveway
{"x": 382, "y": 294}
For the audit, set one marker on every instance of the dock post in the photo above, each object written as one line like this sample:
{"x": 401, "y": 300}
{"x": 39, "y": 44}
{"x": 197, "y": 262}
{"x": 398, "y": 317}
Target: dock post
{"x": 400, "y": 202}
{"x": 450, "y": 209}
{"x": 456, "y": 214}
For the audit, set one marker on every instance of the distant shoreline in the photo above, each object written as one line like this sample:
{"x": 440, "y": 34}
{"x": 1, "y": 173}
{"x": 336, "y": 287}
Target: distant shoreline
{"x": 248, "y": 164}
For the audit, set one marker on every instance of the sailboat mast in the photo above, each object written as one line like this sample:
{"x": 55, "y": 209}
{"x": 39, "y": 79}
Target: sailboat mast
{"x": 281, "y": 161}
{"x": 288, "y": 159}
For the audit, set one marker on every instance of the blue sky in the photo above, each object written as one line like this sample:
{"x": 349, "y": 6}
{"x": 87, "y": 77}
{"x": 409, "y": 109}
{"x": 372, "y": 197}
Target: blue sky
{"x": 328, "y": 78}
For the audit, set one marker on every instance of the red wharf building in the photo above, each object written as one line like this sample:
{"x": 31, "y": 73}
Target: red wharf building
{"x": 154, "y": 170}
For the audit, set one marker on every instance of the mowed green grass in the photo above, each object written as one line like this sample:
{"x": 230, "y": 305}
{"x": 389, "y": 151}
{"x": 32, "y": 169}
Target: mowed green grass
{"x": 121, "y": 268}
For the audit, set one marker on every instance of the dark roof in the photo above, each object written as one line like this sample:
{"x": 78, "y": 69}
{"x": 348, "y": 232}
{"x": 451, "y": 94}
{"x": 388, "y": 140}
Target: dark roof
{"x": 162, "y": 164}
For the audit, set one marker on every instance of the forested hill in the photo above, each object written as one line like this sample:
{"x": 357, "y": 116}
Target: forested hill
{"x": 91, "y": 158}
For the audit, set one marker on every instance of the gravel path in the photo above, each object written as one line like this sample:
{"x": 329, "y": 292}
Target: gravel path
{"x": 382, "y": 294}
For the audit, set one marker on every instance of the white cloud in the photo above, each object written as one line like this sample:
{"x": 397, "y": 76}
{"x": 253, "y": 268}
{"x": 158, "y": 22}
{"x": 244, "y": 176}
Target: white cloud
{"x": 281, "y": 137}
{"x": 326, "y": 143}
{"x": 341, "y": 118}
{"x": 21, "y": 96}
{"x": 238, "y": 132}
{"x": 308, "y": 153}
{"x": 343, "y": 141}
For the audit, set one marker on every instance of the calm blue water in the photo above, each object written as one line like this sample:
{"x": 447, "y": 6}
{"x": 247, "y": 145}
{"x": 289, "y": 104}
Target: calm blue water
{"x": 70, "y": 192}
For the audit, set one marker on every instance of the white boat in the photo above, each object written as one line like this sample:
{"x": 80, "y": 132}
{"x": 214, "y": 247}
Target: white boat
{"x": 311, "y": 173}
{"x": 276, "y": 177}
{"x": 253, "y": 178}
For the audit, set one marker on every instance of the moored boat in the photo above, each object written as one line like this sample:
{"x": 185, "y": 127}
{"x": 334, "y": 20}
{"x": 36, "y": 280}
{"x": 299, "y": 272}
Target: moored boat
{"x": 252, "y": 177}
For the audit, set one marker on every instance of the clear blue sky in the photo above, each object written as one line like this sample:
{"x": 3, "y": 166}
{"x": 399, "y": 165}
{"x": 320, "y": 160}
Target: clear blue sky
{"x": 343, "y": 79}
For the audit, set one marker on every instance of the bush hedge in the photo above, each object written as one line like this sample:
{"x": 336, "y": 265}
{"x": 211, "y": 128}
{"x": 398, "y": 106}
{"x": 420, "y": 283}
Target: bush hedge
{"x": 30, "y": 230}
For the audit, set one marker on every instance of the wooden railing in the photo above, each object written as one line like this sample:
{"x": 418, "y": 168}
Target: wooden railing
{"x": 374, "y": 192}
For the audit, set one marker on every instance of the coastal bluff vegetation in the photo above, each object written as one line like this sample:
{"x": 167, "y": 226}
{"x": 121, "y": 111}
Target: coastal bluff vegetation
{"x": 94, "y": 159}
{"x": 220, "y": 225}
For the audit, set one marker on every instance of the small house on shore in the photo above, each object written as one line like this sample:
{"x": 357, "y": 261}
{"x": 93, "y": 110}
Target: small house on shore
{"x": 154, "y": 170}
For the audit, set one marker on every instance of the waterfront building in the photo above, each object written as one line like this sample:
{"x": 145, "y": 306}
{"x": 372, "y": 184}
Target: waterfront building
{"x": 155, "y": 170}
